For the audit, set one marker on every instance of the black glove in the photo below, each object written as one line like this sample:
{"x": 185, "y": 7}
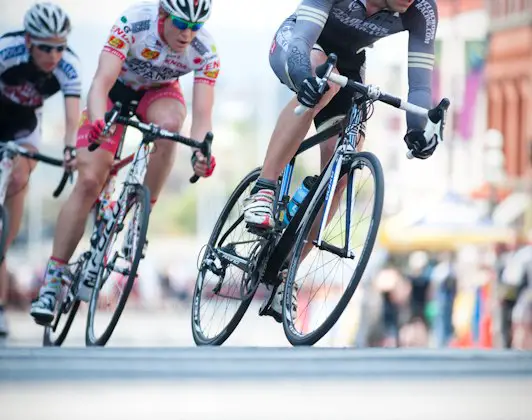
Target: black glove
{"x": 69, "y": 153}
{"x": 416, "y": 142}
{"x": 309, "y": 94}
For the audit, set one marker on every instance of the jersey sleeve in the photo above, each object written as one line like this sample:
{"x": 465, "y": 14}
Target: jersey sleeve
{"x": 208, "y": 73}
{"x": 311, "y": 16}
{"x": 421, "y": 21}
{"x": 10, "y": 50}
{"x": 69, "y": 75}
{"x": 120, "y": 38}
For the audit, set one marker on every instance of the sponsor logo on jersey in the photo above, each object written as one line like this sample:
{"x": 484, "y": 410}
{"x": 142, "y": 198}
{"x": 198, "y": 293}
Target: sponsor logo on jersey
{"x": 212, "y": 69}
{"x": 150, "y": 54}
{"x": 116, "y": 42}
{"x": 12, "y": 52}
{"x": 174, "y": 62}
{"x": 68, "y": 69}
{"x": 84, "y": 118}
{"x": 148, "y": 71}
{"x": 426, "y": 8}
{"x": 140, "y": 26}
{"x": 199, "y": 46}
{"x": 25, "y": 94}
{"x": 121, "y": 32}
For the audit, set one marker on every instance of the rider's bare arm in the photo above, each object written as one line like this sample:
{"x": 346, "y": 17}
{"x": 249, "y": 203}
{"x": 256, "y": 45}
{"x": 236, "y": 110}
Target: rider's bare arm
{"x": 72, "y": 111}
{"x": 202, "y": 104}
{"x": 109, "y": 67}
{"x": 311, "y": 18}
{"x": 421, "y": 23}
{"x": 203, "y": 96}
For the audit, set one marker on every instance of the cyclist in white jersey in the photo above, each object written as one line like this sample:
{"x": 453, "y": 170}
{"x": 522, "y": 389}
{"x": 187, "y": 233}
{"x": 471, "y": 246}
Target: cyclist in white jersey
{"x": 345, "y": 27}
{"x": 148, "y": 49}
{"x": 35, "y": 63}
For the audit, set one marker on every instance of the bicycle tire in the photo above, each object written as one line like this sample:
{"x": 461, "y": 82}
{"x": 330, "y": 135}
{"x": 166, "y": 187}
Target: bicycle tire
{"x": 296, "y": 339}
{"x": 197, "y": 332}
{"x": 48, "y": 338}
{"x": 4, "y": 219}
{"x": 140, "y": 195}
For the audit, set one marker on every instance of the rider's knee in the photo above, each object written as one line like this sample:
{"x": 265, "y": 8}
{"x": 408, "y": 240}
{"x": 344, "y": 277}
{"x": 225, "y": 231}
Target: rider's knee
{"x": 19, "y": 179}
{"x": 90, "y": 184}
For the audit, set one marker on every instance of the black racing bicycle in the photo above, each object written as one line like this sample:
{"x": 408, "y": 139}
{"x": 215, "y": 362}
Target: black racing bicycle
{"x": 324, "y": 248}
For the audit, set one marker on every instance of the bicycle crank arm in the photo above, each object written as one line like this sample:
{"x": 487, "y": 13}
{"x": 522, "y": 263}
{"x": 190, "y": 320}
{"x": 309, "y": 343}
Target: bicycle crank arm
{"x": 341, "y": 252}
{"x": 236, "y": 260}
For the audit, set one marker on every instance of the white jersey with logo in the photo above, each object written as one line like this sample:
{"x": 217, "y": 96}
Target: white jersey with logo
{"x": 148, "y": 60}
{"x": 22, "y": 83}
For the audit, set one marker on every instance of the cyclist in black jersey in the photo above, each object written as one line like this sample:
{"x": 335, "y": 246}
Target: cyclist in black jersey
{"x": 35, "y": 63}
{"x": 303, "y": 41}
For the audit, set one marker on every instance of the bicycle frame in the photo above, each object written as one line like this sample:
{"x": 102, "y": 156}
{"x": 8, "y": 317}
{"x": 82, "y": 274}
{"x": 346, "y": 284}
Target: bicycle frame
{"x": 105, "y": 224}
{"x": 346, "y": 145}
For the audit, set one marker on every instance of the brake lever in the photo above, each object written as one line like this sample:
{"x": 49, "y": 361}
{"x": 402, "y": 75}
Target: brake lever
{"x": 325, "y": 68}
{"x": 110, "y": 118}
{"x": 206, "y": 148}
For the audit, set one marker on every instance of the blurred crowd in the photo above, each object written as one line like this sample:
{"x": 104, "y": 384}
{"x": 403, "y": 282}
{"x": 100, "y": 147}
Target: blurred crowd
{"x": 472, "y": 298}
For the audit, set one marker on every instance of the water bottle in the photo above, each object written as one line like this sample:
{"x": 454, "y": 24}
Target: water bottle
{"x": 298, "y": 198}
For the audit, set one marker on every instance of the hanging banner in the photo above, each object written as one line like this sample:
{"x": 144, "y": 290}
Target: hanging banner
{"x": 475, "y": 55}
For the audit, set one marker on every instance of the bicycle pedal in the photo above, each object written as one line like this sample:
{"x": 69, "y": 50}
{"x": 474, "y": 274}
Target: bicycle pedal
{"x": 262, "y": 232}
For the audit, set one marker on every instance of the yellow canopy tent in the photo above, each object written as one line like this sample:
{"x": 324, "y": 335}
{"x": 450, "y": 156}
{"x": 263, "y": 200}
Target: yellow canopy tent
{"x": 446, "y": 225}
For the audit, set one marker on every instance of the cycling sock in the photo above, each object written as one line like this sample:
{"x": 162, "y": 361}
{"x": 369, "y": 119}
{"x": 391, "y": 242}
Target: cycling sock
{"x": 54, "y": 272}
{"x": 263, "y": 184}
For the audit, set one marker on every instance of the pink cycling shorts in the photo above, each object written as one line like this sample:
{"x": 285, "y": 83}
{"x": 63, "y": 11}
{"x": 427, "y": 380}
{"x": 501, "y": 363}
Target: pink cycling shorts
{"x": 173, "y": 90}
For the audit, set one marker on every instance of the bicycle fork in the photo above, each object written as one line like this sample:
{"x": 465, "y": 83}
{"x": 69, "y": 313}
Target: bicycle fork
{"x": 336, "y": 167}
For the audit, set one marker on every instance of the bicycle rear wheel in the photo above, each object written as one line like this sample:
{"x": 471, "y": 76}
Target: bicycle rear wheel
{"x": 319, "y": 281}
{"x": 118, "y": 270}
{"x": 4, "y": 226}
{"x": 223, "y": 292}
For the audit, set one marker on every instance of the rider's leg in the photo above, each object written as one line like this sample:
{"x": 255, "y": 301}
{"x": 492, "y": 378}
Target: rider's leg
{"x": 14, "y": 205}
{"x": 93, "y": 169}
{"x": 166, "y": 108}
{"x": 286, "y": 138}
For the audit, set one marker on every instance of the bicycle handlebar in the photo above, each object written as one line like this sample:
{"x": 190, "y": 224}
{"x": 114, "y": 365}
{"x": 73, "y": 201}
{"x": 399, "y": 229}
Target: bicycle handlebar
{"x": 50, "y": 161}
{"x": 155, "y": 132}
{"x": 435, "y": 116}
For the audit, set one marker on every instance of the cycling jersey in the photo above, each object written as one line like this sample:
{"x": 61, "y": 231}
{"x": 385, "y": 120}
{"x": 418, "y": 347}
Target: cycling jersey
{"x": 24, "y": 88}
{"x": 136, "y": 38}
{"x": 342, "y": 26}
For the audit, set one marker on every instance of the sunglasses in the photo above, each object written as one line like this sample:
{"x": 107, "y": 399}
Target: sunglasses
{"x": 183, "y": 24}
{"x": 48, "y": 48}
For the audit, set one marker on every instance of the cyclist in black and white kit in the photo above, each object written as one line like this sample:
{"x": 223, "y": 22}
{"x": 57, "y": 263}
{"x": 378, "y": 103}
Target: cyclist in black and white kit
{"x": 344, "y": 27}
{"x": 34, "y": 64}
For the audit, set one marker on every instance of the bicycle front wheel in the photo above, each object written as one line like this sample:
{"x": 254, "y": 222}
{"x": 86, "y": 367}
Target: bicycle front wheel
{"x": 118, "y": 270}
{"x": 322, "y": 279}
{"x": 223, "y": 292}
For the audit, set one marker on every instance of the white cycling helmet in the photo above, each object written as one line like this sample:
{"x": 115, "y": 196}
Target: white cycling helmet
{"x": 46, "y": 20}
{"x": 189, "y": 10}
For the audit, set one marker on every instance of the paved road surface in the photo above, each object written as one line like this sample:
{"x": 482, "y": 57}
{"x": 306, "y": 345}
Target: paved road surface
{"x": 151, "y": 371}
{"x": 263, "y": 383}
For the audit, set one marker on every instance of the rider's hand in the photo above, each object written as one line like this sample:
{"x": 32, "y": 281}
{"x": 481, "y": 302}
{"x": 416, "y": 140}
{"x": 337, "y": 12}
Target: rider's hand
{"x": 69, "y": 158}
{"x": 95, "y": 133}
{"x": 309, "y": 94}
{"x": 199, "y": 164}
{"x": 420, "y": 147}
